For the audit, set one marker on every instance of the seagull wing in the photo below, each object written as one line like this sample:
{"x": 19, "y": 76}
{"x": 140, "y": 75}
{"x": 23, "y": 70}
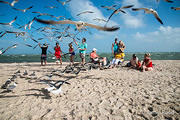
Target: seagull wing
{"x": 102, "y": 28}
{"x": 128, "y": 6}
{"x": 29, "y": 8}
{"x": 13, "y": 20}
{"x": 169, "y": 1}
{"x": 9, "y": 48}
{"x": 13, "y": 2}
{"x": 137, "y": 9}
{"x": 4, "y": 2}
{"x": 157, "y": 17}
{"x": 175, "y": 8}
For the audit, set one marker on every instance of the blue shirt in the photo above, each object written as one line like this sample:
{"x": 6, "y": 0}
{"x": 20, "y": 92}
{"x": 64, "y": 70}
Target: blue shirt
{"x": 115, "y": 48}
{"x": 83, "y": 46}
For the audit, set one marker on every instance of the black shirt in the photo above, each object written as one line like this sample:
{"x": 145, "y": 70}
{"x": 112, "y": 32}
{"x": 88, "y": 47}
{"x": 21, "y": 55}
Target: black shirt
{"x": 44, "y": 49}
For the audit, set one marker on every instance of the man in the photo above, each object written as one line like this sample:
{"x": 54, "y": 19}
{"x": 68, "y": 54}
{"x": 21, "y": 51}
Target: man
{"x": 115, "y": 47}
{"x": 43, "y": 54}
{"x": 82, "y": 50}
{"x": 95, "y": 58}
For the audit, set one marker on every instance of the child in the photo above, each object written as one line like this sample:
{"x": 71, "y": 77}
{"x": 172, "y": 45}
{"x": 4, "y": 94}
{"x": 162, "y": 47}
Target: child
{"x": 72, "y": 53}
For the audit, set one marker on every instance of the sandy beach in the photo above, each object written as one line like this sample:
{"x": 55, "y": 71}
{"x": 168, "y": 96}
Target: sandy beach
{"x": 110, "y": 94}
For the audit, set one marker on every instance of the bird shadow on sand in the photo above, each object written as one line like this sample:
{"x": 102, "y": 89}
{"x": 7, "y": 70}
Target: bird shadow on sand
{"x": 8, "y": 96}
{"x": 44, "y": 94}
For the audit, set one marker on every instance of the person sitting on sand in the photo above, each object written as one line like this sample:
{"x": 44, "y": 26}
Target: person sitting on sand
{"x": 96, "y": 59}
{"x": 58, "y": 53}
{"x": 147, "y": 63}
{"x": 72, "y": 53}
{"x": 133, "y": 62}
{"x": 43, "y": 54}
{"x": 119, "y": 58}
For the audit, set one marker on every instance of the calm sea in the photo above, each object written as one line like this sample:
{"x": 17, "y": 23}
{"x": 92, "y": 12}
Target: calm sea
{"x": 51, "y": 58}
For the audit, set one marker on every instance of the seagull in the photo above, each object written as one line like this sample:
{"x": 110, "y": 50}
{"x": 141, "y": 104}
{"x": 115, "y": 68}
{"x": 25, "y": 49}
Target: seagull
{"x": 109, "y": 7}
{"x": 23, "y": 10}
{"x": 175, "y": 8}
{"x": 51, "y": 7}
{"x": 79, "y": 24}
{"x": 63, "y": 3}
{"x": 34, "y": 39}
{"x": 4, "y": 86}
{"x": 25, "y": 72}
{"x": 11, "y": 87}
{"x": 10, "y": 23}
{"x": 100, "y": 19}
{"x": 30, "y": 23}
{"x": 119, "y": 10}
{"x": 169, "y": 1}
{"x": 11, "y": 4}
{"x": 17, "y": 33}
{"x": 33, "y": 74}
{"x": 13, "y": 46}
{"x": 41, "y": 14}
{"x": 28, "y": 45}
{"x": 149, "y": 11}
{"x": 84, "y": 12}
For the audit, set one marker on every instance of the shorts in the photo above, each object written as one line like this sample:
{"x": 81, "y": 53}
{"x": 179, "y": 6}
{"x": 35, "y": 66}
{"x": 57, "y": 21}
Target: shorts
{"x": 43, "y": 57}
{"x": 58, "y": 56}
{"x": 82, "y": 55}
{"x": 73, "y": 53}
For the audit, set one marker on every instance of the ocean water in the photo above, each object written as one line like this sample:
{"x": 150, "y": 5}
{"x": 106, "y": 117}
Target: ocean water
{"x": 51, "y": 58}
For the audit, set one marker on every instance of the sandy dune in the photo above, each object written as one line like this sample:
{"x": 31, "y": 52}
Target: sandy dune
{"x": 111, "y": 94}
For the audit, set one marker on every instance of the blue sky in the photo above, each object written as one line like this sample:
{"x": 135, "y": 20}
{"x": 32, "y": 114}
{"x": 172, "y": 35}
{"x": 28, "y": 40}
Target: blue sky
{"x": 140, "y": 32}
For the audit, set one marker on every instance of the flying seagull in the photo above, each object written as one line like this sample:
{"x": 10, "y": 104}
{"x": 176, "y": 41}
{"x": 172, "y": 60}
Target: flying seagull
{"x": 79, "y": 24}
{"x": 100, "y": 19}
{"x": 41, "y": 14}
{"x": 84, "y": 12}
{"x": 13, "y": 46}
{"x": 51, "y": 7}
{"x": 175, "y": 8}
{"x": 109, "y": 7}
{"x": 11, "y": 4}
{"x": 120, "y": 9}
{"x": 149, "y": 11}
{"x": 10, "y": 23}
{"x": 23, "y": 10}
{"x": 63, "y": 3}
{"x": 169, "y": 1}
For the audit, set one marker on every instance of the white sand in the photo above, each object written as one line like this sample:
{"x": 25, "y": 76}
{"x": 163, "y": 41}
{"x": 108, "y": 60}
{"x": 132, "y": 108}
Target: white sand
{"x": 114, "y": 94}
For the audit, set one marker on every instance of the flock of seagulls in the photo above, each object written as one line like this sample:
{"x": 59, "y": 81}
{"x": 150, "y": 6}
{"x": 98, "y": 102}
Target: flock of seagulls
{"x": 58, "y": 34}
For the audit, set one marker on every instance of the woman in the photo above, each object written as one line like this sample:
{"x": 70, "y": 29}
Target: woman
{"x": 147, "y": 63}
{"x": 72, "y": 53}
{"x": 58, "y": 53}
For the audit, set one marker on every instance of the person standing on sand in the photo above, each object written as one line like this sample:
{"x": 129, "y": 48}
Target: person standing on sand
{"x": 82, "y": 50}
{"x": 58, "y": 53}
{"x": 115, "y": 47}
{"x": 72, "y": 53}
{"x": 43, "y": 54}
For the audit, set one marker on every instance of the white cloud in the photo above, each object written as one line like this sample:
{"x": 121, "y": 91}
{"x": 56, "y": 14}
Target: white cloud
{"x": 132, "y": 21}
{"x": 136, "y": 3}
{"x": 78, "y": 6}
{"x": 163, "y": 34}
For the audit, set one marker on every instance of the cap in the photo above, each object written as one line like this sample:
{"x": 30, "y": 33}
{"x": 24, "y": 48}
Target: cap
{"x": 94, "y": 49}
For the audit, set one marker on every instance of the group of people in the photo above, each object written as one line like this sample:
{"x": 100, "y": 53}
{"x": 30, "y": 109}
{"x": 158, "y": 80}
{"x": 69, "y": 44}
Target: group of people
{"x": 118, "y": 48}
{"x": 58, "y": 52}
{"x": 136, "y": 63}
